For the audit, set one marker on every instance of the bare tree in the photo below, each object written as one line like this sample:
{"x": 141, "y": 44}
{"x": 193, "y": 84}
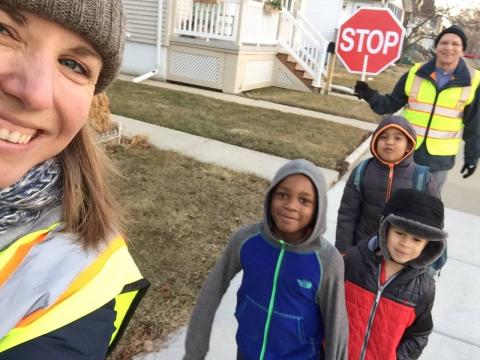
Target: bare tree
{"x": 468, "y": 20}
{"x": 424, "y": 22}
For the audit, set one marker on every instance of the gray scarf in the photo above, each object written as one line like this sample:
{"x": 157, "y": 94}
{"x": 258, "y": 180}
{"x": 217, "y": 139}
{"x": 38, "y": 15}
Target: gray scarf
{"x": 40, "y": 188}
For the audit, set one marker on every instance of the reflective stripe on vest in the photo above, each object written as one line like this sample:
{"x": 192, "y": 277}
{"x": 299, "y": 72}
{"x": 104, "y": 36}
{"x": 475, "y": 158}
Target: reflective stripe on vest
{"x": 445, "y": 131}
{"x": 113, "y": 275}
{"x": 13, "y": 256}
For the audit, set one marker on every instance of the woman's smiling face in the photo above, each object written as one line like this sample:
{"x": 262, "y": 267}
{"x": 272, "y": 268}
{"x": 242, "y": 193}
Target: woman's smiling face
{"x": 47, "y": 82}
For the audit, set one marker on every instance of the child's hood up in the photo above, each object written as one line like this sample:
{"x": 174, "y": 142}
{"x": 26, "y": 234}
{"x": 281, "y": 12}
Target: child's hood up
{"x": 417, "y": 213}
{"x": 397, "y": 122}
{"x": 303, "y": 167}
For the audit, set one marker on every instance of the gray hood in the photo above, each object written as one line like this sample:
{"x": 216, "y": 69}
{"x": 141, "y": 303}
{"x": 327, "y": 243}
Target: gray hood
{"x": 304, "y": 167}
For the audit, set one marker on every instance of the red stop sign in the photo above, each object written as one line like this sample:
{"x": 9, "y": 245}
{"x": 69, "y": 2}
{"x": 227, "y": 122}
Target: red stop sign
{"x": 370, "y": 40}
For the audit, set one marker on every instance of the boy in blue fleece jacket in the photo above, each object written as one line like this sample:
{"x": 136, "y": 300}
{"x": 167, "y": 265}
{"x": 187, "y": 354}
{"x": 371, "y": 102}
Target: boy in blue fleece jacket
{"x": 291, "y": 303}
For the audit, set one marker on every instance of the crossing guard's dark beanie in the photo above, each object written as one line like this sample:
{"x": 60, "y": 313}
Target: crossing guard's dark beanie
{"x": 100, "y": 22}
{"x": 454, "y": 29}
{"x": 417, "y": 213}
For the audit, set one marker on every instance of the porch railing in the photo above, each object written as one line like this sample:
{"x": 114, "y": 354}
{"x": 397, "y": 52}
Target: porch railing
{"x": 304, "y": 44}
{"x": 221, "y": 21}
{"x": 290, "y": 5}
{"x": 209, "y": 21}
{"x": 258, "y": 27}
{"x": 245, "y": 22}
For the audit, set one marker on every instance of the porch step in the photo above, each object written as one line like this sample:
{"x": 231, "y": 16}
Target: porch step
{"x": 296, "y": 69}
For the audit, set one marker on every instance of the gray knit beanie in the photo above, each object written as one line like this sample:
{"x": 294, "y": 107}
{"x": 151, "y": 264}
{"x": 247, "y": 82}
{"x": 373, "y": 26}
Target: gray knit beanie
{"x": 100, "y": 22}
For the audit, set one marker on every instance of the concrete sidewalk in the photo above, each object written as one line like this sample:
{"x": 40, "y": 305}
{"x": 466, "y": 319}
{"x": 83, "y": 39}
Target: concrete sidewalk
{"x": 457, "y": 309}
{"x": 211, "y": 151}
{"x": 456, "y": 312}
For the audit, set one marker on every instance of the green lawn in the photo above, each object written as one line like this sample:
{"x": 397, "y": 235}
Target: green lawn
{"x": 273, "y": 132}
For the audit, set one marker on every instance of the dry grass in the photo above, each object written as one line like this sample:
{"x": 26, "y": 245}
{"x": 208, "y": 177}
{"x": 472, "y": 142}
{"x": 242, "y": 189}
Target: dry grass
{"x": 182, "y": 213}
{"x": 331, "y": 104}
{"x": 272, "y": 132}
{"x": 383, "y": 82}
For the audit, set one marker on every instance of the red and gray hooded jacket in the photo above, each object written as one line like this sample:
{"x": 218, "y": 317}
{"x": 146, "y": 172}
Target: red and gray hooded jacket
{"x": 391, "y": 319}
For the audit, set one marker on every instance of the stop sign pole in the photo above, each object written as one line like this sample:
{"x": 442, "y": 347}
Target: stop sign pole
{"x": 370, "y": 40}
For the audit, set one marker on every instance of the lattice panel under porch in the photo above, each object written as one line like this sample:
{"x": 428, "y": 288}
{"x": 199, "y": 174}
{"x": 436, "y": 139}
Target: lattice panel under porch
{"x": 195, "y": 66}
{"x": 283, "y": 78}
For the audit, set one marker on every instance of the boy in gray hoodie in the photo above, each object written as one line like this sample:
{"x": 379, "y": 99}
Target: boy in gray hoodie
{"x": 291, "y": 302}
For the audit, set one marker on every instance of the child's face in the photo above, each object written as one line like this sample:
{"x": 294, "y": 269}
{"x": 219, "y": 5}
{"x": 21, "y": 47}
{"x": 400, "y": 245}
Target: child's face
{"x": 392, "y": 145}
{"x": 292, "y": 207}
{"x": 403, "y": 246}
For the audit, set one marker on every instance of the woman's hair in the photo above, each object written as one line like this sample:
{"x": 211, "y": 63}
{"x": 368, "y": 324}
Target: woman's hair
{"x": 89, "y": 208}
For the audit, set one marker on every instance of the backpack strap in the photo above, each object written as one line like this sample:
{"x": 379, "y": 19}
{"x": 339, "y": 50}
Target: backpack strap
{"x": 358, "y": 176}
{"x": 420, "y": 176}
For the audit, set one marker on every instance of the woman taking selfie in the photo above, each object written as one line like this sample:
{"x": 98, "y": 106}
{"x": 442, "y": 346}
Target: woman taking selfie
{"x": 68, "y": 285}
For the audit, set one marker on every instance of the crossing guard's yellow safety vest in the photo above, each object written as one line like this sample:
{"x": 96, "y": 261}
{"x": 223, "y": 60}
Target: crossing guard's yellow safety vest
{"x": 438, "y": 118}
{"x": 112, "y": 275}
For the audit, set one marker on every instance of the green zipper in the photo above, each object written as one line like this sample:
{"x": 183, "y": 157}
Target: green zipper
{"x": 272, "y": 300}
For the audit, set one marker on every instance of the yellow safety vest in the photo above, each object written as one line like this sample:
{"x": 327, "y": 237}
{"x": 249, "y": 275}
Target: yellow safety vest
{"x": 112, "y": 275}
{"x": 445, "y": 129}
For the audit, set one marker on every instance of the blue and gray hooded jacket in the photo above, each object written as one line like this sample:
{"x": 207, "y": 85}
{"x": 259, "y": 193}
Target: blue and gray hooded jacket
{"x": 291, "y": 302}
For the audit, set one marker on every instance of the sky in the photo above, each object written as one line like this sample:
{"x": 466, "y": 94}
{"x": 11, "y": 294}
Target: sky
{"x": 458, "y": 4}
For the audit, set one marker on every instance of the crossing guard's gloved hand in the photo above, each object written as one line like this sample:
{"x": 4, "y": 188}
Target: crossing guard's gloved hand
{"x": 363, "y": 91}
{"x": 467, "y": 170}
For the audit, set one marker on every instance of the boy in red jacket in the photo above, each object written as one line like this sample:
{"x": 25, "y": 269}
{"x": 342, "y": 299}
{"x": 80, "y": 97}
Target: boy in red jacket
{"x": 389, "y": 293}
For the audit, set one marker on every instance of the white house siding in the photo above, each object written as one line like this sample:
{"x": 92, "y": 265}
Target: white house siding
{"x": 324, "y": 15}
{"x": 142, "y": 20}
{"x": 139, "y": 58}
{"x": 258, "y": 71}
{"x": 140, "y": 55}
